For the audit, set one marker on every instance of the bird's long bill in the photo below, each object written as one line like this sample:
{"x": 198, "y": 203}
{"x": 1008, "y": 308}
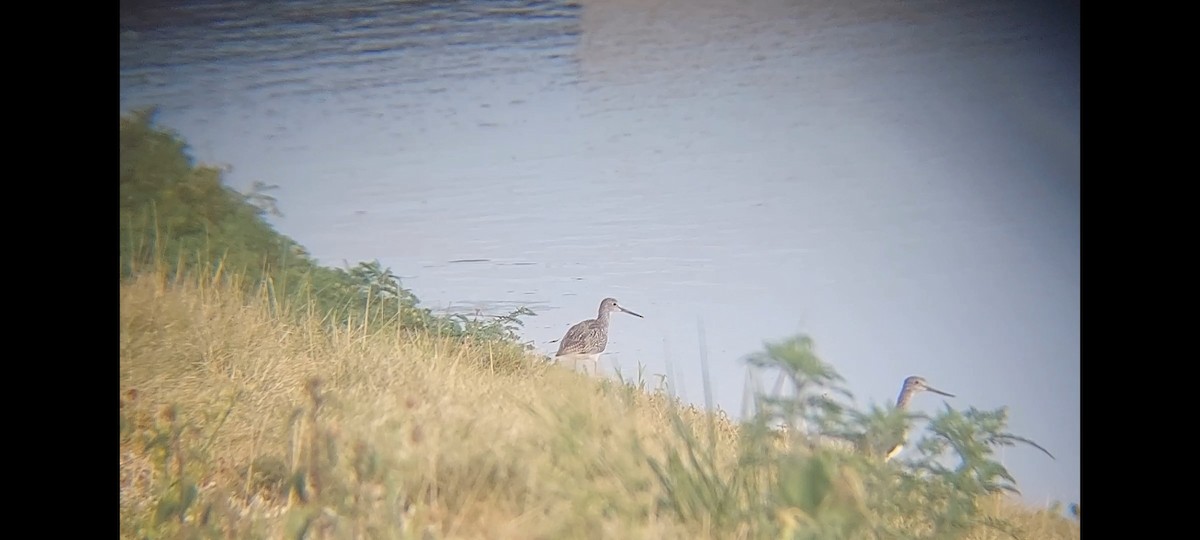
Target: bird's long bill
{"x": 936, "y": 391}
{"x": 629, "y": 312}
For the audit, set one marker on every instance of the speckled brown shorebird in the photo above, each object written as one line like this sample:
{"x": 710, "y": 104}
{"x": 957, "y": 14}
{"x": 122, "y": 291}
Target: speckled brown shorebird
{"x": 580, "y": 348}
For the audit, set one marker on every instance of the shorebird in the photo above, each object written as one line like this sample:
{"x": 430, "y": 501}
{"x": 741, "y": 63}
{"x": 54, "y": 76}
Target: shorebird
{"x": 912, "y": 386}
{"x": 580, "y": 348}
{"x": 888, "y": 439}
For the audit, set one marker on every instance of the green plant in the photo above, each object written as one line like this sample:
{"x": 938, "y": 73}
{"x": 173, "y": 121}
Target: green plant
{"x": 935, "y": 494}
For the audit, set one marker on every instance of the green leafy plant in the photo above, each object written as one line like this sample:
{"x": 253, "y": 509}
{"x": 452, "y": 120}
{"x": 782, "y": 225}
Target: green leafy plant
{"x": 935, "y": 494}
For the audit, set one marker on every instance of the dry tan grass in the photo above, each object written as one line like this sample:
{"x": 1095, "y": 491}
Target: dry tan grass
{"x": 431, "y": 439}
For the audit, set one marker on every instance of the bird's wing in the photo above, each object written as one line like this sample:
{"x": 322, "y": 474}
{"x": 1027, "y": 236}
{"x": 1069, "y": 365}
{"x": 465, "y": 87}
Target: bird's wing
{"x": 891, "y": 441}
{"x": 580, "y": 339}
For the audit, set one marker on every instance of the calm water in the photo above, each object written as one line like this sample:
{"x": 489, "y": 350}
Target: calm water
{"x": 899, "y": 180}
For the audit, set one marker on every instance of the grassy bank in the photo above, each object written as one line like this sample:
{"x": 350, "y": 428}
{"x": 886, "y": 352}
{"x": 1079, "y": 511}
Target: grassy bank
{"x": 239, "y": 423}
{"x": 264, "y": 395}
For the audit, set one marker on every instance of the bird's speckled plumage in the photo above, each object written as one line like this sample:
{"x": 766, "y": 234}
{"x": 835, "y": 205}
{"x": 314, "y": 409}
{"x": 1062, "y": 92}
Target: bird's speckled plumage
{"x": 587, "y": 337}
